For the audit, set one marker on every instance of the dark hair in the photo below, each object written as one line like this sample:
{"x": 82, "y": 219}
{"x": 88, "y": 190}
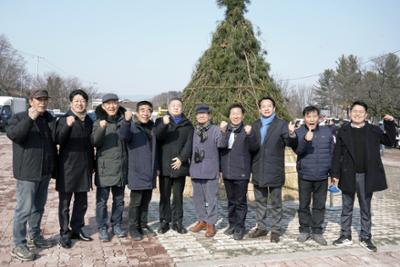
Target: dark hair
{"x": 175, "y": 98}
{"x": 309, "y": 109}
{"x": 266, "y": 98}
{"x": 236, "y": 105}
{"x": 78, "y": 92}
{"x": 359, "y": 103}
{"x": 144, "y": 103}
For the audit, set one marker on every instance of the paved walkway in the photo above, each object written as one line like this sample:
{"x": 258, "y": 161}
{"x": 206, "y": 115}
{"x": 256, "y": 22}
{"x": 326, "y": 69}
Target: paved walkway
{"x": 195, "y": 250}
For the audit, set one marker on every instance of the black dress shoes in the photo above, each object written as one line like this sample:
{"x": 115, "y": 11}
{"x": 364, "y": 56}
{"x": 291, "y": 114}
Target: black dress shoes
{"x": 65, "y": 242}
{"x": 81, "y": 236}
{"x": 164, "y": 227}
{"x": 179, "y": 228}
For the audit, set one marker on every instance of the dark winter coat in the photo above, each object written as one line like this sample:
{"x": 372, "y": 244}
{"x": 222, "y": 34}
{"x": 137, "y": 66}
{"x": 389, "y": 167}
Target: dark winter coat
{"x": 314, "y": 157}
{"x": 76, "y": 155}
{"x": 111, "y": 154}
{"x": 343, "y": 163}
{"x": 142, "y": 166}
{"x": 236, "y": 162}
{"x": 208, "y": 168}
{"x": 34, "y": 153}
{"x": 268, "y": 167}
{"x": 174, "y": 140}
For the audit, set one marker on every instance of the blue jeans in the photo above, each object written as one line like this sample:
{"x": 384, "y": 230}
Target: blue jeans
{"x": 102, "y": 194}
{"x": 31, "y": 198}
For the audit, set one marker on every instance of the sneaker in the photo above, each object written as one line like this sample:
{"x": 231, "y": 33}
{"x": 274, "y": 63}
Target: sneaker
{"x": 333, "y": 189}
{"x": 147, "y": 231}
{"x": 343, "y": 241}
{"x": 257, "y": 233}
{"x": 230, "y": 230}
{"x": 103, "y": 235}
{"x": 23, "y": 253}
{"x": 118, "y": 231}
{"x": 303, "y": 237}
{"x": 367, "y": 243}
{"x": 38, "y": 242}
{"x": 319, "y": 238}
{"x": 135, "y": 234}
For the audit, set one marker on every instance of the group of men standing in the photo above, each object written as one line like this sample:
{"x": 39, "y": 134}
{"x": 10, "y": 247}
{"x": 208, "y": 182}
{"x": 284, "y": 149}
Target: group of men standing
{"x": 134, "y": 153}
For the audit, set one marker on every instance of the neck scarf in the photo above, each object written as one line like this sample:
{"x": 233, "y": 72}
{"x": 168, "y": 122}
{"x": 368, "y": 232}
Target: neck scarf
{"x": 201, "y": 131}
{"x": 265, "y": 121}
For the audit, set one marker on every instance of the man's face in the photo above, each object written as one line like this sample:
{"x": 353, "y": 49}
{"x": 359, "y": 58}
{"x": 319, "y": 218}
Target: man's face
{"x": 202, "y": 117}
{"x": 266, "y": 108}
{"x": 78, "y": 104}
{"x": 311, "y": 119}
{"x": 143, "y": 113}
{"x": 175, "y": 108}
{"x": 39, "y": 104}
{"x": 111, "y": 107}
{"x": 358, "y": 114}
{"x": 236, "y": 116}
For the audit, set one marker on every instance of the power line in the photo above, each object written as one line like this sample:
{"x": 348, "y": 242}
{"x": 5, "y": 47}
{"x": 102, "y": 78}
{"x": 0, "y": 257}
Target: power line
{"x": 314, "y": 75}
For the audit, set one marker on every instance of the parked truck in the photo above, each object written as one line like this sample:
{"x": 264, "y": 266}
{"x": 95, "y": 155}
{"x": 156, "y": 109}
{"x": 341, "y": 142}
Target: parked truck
{"x": 9, "y": 106}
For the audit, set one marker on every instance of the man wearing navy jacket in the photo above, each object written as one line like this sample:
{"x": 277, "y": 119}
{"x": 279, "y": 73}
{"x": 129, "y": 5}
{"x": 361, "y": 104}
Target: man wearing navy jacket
{"x": 314, "y": 156}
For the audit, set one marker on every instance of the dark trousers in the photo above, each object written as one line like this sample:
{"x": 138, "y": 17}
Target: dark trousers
{"x": 236, "y": 192}
{"x": 176, "y": 185}
{"x": 274, "y": 195}
{"x": 102, "y": 194}
{"x": 364, "y": 200}
{"x": 78, "y": 211}
{"x": 312, "y": 221}
{"x": 139, "y": 208}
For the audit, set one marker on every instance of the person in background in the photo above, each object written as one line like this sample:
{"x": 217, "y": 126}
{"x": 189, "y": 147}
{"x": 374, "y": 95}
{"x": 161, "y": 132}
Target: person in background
{"x": 357, "y": 164}
{"x": 111, "y": 166}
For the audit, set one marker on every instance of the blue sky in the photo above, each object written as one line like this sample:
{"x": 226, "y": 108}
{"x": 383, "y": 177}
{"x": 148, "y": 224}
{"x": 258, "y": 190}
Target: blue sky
{"x": 148, "y": 47}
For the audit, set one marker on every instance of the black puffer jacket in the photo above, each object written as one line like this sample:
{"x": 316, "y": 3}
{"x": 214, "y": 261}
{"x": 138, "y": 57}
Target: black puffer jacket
{"x": 34, "y": 151}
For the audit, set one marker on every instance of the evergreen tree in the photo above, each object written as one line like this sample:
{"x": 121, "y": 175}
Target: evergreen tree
{"x": 233, "y": 69}
{"x": 324, "y": 91}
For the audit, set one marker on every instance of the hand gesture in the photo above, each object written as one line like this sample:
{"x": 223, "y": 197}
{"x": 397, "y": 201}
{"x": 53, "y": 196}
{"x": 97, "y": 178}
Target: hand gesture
{"x": 247, "y": 129}
{"x": 128, "y": 115}
{"x": 33, "y": 113}
{"x": 103, "y": 124}
{"x": 70, "y": 120}
{"x": 177, "y": 163}
{"x": 309, "y": 135}
{"x": 388, "y": 118}
{"x": 291, "y": 128}
{"x": 166, "y": 120}
{"x": 223, "y": 125}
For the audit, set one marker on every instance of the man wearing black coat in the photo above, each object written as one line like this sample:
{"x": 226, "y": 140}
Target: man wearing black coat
{"x": 268, "y": 167}
{"x": 34, "y": 154}
{"x": 239, "y": 141}
{"x": 75, "y": 168}
{"x": 174, "y": 135}
{"x": 358, "y": 165}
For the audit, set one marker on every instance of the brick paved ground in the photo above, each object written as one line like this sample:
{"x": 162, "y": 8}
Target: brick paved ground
{"x": 196, "y": 250}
